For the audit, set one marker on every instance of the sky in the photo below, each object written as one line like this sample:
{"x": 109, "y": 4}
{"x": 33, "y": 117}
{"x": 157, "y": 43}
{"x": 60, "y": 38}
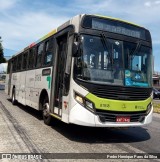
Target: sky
{"x": 25, "y": 21}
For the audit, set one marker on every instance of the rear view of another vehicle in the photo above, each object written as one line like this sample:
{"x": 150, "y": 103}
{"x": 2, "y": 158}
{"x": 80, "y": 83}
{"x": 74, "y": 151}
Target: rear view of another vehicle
{"x": 156, "y": 93}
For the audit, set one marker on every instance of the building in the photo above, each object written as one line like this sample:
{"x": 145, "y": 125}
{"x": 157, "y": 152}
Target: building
{"x": 156, "y": 79}
{"x": 3, "y": 68}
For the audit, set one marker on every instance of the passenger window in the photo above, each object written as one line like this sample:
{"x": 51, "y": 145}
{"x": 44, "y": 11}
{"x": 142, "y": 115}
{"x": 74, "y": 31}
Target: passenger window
{"x": 9, "y": 67}
{"x": 14, "y": 64}
{"x": 48, "y": 52}
{"x": 19, "y": 62}
{"x": 39, "y": 54}
{"x": 25, "y": 60}
{"x": 31, "y": 63}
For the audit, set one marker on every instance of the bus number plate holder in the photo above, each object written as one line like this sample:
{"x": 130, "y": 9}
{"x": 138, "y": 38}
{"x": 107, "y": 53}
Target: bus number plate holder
{"x": 123, "y": 119}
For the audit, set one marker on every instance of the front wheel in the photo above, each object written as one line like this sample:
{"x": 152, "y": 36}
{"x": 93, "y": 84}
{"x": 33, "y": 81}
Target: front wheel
{"x": 46, "y": 112}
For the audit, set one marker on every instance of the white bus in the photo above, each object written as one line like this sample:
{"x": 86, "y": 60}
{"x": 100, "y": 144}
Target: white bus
{"x": 93, "y": 71}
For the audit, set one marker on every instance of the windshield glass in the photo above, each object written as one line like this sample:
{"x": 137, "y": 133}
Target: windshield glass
{"x": 109, "y": 61}
{"x": 138, "y": 68}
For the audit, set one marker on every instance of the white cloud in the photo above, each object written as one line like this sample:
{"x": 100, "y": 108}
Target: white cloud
{"x": 148, "y": 4}
{"x": 26, "y": 28}
{"x": 157, "y": 2}
{"x": 152, "y": 3}
{"x": 7, "y": 4}
{"x": 135, "y": 11}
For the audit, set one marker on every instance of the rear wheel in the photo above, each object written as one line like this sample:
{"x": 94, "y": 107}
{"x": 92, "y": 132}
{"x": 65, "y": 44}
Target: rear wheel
{"x": 46, "y": 111}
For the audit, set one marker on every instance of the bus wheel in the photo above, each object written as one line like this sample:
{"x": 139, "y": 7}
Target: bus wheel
{"x": 13, "y": 97}
{"x": 46, "y": 112}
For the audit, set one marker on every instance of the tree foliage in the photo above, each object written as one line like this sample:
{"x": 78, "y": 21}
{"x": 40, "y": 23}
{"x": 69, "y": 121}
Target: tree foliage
{"x": 2, "y": 59}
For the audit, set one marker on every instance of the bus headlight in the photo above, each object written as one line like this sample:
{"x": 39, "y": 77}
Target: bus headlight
{"x": 84, "y": 102}
{"x": 79, "y": 99}
{"x": 149, "y": 108}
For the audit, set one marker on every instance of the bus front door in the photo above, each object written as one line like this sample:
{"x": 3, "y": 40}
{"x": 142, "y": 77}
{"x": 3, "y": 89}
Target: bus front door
{"x": 60, "y": 72}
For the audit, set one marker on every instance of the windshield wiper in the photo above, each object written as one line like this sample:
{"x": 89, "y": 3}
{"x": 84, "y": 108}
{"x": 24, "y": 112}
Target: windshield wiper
{"x": 105, "y": 43}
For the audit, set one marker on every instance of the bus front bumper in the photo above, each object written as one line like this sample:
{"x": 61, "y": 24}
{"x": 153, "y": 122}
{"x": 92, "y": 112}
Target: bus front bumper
{"x": 81, "y": 116}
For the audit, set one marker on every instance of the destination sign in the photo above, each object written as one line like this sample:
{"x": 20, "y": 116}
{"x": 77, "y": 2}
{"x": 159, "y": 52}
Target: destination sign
{"x": 97, "y": 24}
{"x": 114, "y": 26}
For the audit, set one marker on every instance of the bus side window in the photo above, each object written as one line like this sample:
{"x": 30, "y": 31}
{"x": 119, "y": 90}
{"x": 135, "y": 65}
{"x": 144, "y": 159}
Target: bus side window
{"x": 15, "y": 64}
{"x": 19, "y": 62}
{"x": 39, "y": 55}
{"x": 24, "y": 65}
{"x": 31, "y": 58}
{"x": 48, "y": 52}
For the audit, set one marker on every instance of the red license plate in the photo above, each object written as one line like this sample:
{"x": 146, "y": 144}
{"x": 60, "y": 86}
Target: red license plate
{"x": 123, "y": 119}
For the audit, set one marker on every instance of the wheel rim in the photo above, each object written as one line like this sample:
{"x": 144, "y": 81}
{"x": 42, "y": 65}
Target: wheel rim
{"x": 46, "y": 110}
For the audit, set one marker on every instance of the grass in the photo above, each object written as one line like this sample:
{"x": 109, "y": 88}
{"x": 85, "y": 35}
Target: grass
{"x": 156, "y": 107}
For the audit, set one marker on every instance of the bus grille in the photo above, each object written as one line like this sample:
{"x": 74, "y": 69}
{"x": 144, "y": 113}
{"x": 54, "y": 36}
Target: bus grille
{"x": 109, "y": 116}
{"x": 122, "y": 93}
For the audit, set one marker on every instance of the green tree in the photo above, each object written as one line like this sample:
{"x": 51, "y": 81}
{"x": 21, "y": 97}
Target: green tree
{"x": 2, "y": 59}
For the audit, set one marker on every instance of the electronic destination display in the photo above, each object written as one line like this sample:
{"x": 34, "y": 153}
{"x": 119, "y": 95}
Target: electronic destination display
{"x": 114, "y": 26}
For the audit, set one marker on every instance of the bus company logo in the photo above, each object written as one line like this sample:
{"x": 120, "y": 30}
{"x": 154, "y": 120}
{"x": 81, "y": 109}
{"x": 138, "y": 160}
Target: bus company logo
{"x": 124, "y": 106}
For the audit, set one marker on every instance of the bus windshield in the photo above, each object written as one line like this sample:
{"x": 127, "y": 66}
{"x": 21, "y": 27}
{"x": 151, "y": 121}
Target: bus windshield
{"x": 109, "y": 61}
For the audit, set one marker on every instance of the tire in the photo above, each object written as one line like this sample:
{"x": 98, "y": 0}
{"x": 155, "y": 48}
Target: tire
{"x": 13, "y": 97}
{"x": 46, "y": 112}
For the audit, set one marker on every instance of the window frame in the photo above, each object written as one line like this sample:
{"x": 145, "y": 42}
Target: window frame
{"x": 15, "y": 64}
{"x": 25, "y": 63}
{"x": 18, "y": 68}
{"x": 37, "y": 55}
{"x": 29, "y": 67}
{"x": 50, "y": 42}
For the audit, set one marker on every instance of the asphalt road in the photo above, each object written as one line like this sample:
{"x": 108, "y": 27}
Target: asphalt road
{"x": 157, "y": 100}
{"x": 22, "y": 131}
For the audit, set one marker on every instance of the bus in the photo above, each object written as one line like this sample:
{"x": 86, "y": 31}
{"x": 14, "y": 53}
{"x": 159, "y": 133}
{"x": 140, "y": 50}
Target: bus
{"x": 92, "y": 71}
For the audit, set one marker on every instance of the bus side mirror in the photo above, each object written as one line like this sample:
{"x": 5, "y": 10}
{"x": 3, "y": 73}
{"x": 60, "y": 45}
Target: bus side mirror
{"x": 75, "y": 49}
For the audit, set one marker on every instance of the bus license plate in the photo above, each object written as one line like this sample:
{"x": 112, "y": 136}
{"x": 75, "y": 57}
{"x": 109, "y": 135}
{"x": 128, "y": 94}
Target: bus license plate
{"x": 123, "y": 119}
